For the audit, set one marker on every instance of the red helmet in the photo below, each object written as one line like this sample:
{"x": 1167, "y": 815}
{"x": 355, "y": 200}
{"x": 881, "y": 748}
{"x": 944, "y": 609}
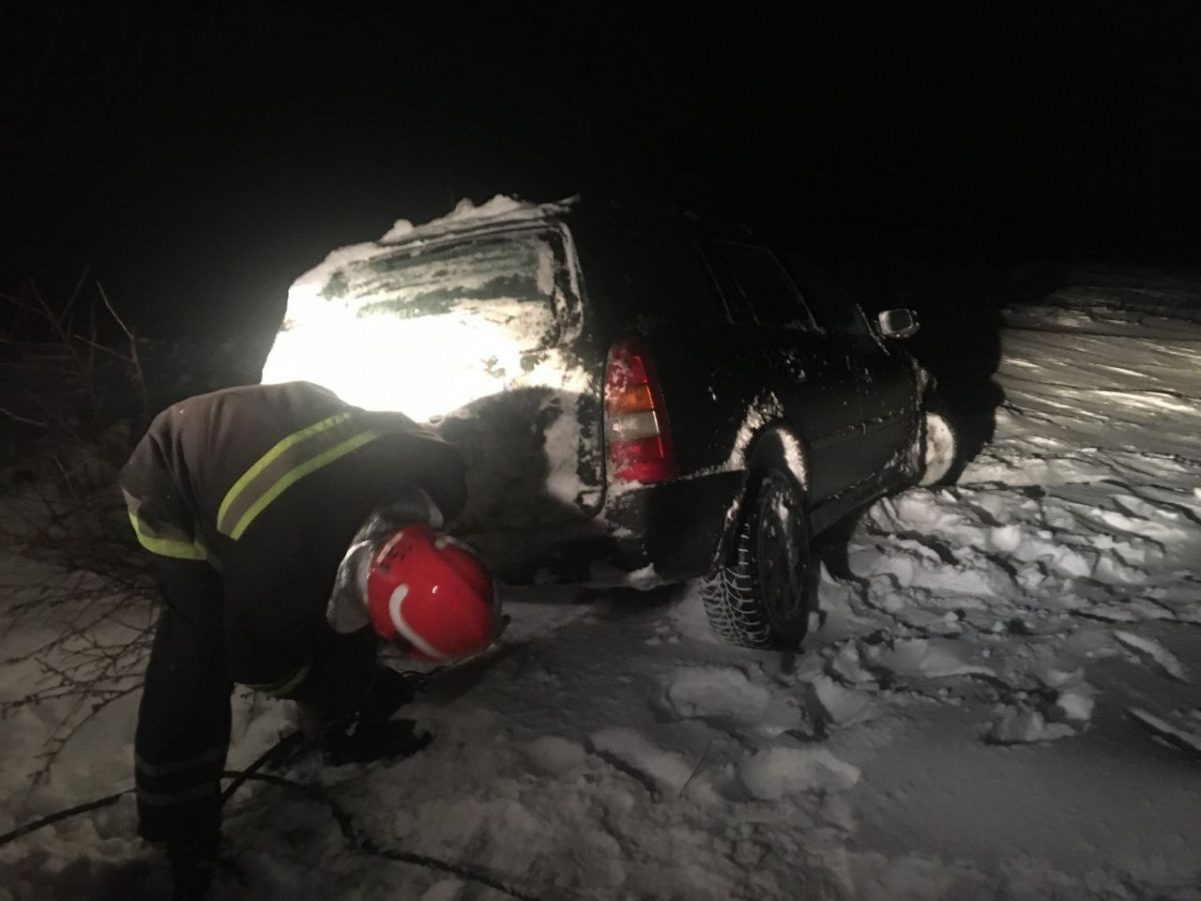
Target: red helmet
{"x": 433, "y": 592}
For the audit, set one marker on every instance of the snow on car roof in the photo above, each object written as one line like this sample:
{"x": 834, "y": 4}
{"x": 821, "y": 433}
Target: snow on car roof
{"x": 466, "y": 214}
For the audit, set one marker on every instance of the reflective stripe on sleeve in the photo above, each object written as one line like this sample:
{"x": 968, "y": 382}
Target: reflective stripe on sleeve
{"x": 168, "y": 542}
{"x": 293, "y": 458}
{"x": 286, "y": 684}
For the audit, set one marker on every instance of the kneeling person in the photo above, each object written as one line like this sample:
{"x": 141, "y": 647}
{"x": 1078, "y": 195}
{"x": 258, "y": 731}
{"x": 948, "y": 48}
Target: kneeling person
{"x": 294, "y": 536}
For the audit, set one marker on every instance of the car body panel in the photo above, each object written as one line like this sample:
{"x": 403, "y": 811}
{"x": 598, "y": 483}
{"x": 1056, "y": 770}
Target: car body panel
{"x": 728, "y": 324}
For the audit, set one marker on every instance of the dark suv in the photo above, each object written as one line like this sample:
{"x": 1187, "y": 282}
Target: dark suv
{"x": 638, "y": 398}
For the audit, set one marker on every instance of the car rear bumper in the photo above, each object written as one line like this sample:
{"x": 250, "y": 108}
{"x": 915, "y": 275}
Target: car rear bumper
{"x": 642, "y": 536}
{"x": 680, "y": 523}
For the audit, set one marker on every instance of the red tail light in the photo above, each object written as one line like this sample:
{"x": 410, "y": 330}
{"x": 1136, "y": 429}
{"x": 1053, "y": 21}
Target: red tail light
{"x": 637, "y": 436}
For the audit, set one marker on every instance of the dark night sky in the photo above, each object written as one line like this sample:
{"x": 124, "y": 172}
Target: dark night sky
{"x": 201, "y": 160}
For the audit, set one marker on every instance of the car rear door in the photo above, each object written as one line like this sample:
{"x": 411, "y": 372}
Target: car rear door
{"x": 807, "y": 371}
{"x": 884, "y": 378}
{"x": 651, "y": 280}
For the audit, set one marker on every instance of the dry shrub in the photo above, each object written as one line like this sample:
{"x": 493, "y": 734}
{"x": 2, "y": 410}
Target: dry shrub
{"x": 76, "y": 596}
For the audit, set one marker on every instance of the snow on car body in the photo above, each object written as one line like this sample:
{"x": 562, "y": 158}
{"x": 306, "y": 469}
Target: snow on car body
{"x": 623, "y": 386}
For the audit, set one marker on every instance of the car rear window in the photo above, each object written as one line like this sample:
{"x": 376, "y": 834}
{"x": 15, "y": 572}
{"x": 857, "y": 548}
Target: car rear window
{"x": 505, "y": 278}
{"x": 436, "y": 327}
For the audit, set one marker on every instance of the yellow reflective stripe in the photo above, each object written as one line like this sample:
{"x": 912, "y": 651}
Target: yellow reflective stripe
{"x": 268, "y": 458}
{"x": 176, "y": 548}
{"x": 299, "y": 472}
{"x": 285, "y": 685}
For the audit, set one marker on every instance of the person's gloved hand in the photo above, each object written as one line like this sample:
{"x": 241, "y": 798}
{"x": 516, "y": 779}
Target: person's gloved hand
{"x": 376, "y": 740}
{"x": 387, "y": 693}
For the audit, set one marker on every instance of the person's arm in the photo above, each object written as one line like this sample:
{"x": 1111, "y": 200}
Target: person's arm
{"x": 413, "y": 455}
{"x": 277, "y": 640}
{"x": 272, "y": 625}
{"x": 442, "y": 474}
{"x": 159, "y": 511}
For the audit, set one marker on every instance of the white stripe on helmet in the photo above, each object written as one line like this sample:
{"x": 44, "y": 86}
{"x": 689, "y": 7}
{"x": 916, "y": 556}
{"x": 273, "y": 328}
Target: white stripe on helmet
{"x": 397, "y": 615}
{"x": 442, "y": 542}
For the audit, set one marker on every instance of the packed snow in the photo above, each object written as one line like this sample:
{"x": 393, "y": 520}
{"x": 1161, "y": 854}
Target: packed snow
{"x": 999, "y": 700}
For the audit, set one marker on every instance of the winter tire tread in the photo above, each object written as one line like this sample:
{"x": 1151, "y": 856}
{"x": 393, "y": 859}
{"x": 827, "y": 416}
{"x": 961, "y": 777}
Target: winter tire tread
{"x": 732, "y": 602}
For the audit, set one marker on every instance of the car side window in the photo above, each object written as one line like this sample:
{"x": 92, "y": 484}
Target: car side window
{"x": 834, "y": 309}
{"x": 670, "y": 278}
{"x": 756, "y": 287}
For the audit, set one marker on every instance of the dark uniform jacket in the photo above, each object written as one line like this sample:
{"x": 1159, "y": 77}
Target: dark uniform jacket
{"x": 249, "y": 498}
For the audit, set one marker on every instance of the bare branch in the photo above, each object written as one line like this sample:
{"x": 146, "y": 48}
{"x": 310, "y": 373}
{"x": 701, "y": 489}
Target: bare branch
{"x": 25, "y": 419}
{"x": 108, "y": 350}
{"x": 64, "y": 316}
{"x": 112, "y": 312}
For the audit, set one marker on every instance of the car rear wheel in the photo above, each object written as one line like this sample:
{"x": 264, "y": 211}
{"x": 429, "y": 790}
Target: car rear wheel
{"x": 761, "y": 596}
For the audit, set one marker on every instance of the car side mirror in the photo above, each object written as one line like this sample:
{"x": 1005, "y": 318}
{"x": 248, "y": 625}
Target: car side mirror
{"x": 900, "y": 323}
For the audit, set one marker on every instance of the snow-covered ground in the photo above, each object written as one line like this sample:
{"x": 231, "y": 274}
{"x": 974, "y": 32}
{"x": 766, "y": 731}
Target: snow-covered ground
{"x": 1001, "y": 700}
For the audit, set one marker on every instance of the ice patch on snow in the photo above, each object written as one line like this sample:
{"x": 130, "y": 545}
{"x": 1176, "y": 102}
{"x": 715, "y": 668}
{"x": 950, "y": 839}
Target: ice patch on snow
{"x": 555, "y": 756}
{"x": 1075, "y": 705}
{"x": 935, "y": 659}
{"x": 772, "y": 774}
{"x": 848, "y": 665}
{"x": 1184, "y": 739}
{"x": 1022, "y": 725}
{"x": 635, "y": 754}
{"x": 716, "y": 692}
{"x": 1149, "y": 647}
{"x": 844, "y": 706}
